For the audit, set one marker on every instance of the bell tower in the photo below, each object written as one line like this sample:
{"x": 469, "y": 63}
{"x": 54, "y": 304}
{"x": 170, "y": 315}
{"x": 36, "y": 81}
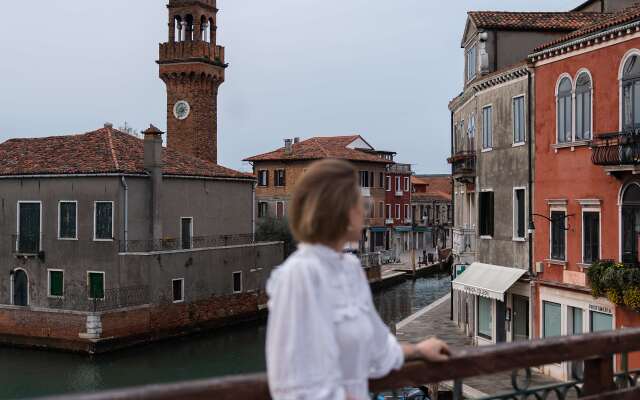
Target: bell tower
{"x": 192, "y": 67}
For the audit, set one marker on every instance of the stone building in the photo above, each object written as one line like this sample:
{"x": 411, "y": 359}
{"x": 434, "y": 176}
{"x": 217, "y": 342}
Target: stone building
{"x": 432, "y": 211}
{"x": 110, "y": 240}
{"x": 493, "y": 167}
{"x": 398, "y": 236}
{"x": 279, "y": 170}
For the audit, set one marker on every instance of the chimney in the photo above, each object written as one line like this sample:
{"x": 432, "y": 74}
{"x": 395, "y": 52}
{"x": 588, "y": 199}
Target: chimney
{"x": 108, "y": 125}
{"x": 288, "y": 148}
{"x": 153, "y": 165}
{"x": 296, "y": 140}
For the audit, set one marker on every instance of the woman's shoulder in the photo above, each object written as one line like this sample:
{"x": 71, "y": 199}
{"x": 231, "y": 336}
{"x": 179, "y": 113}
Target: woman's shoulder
{"x": 298, "y": 266}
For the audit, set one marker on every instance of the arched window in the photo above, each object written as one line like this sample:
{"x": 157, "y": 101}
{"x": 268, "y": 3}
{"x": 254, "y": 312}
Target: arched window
{"x": 631, "y": 94}
{"x": 204, "y": 29}
{"x": 177, "y": 26}
{"x": 564, "y": 111}
{"x": 630, "y": 223}
{"x": 188, "y": 28}
{"x": 583, "y": 107}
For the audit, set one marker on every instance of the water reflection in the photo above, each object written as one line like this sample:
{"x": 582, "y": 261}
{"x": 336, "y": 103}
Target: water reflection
{"x": 28, "y": 373}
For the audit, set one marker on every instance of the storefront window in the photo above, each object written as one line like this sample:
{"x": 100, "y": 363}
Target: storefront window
{"x": 484, "y": 317}
{"x": 601, "y": 322}
{"x": 552, "y": 319}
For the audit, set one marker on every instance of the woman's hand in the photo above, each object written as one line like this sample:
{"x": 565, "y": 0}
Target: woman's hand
{"x": 431, "y": 349}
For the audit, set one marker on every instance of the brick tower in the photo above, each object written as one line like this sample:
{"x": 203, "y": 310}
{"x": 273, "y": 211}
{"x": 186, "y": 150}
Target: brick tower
{"x": 192, "y": 67}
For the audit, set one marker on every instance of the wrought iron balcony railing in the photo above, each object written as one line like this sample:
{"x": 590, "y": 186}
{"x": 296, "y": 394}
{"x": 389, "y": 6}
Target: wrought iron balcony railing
{"x": 614, "y": 149}
{"x": 26, "y": 243}
{"x": 596, "y": 379}
{"x": 463, "y": 164}
{"x": 105, "y": 300}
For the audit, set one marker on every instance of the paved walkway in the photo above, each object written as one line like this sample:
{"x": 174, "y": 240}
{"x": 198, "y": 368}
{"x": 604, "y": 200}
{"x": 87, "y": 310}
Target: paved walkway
{"x": 434, "y": 321}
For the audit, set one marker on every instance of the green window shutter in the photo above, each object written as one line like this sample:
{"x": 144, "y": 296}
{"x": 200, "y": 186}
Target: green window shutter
{"x": 96, "y": 285}
{"x": 104, "y": 220}
{"x": 56, "y": 285}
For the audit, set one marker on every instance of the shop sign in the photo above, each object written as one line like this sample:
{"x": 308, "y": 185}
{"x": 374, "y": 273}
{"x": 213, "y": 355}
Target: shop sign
{"x": 601, "y": 309}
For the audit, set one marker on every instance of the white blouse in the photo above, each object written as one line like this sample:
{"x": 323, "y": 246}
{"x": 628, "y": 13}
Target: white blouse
{"x": 325, "y": 338}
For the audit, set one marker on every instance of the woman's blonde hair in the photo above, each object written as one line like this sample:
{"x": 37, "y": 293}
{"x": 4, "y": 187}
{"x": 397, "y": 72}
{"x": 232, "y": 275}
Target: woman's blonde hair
{"x": 322, "y": 200}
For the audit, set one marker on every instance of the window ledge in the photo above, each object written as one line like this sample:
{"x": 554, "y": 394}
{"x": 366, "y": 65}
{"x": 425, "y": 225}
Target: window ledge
{"x": 556, "y": 262}
{"x": 519, "y": 239}
{"x": 103, "y": 240}
{"x": 584, "y": 265}
{"x": 68, "y": 239}
{"x": 518, "y": 144}
{"x": 55, "y": 297}
{"x": 486, "y": 237}
{"x": 571, "y": 145}
{"x": 486, "y": 150}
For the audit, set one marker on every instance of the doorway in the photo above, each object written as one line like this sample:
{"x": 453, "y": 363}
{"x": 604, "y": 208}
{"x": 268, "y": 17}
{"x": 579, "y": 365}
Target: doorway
{"x": 520, "y": 318}
{"x": 20, "y": 288}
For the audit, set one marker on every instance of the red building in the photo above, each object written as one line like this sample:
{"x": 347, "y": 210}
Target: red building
{"x": 398, "y": 217}
{"x": 586, "y": 192}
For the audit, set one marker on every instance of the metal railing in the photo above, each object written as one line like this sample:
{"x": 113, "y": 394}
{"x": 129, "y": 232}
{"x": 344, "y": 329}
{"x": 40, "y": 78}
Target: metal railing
{"x": 463, "y": 163}
{"x": 597, "y": 381}
{"x": 173, "y": 244}
{"x": 618, "y": 148}
{"x": 23, "y": 243}
{"x": 110, "y": 299}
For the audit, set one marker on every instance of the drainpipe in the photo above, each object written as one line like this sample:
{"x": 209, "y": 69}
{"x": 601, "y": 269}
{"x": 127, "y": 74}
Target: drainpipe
{"x": 253, "y": 213}
{"x": 453, "y": 215}
{"x": 123, "y": 181}
{"x": 530, "y": 169}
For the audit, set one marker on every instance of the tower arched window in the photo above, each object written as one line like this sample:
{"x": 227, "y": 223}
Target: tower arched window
{"x": 204, "y": 29}
{"x": 188, "y": 28}
{"x": 583, "y": 107}
{"x": 177, "y": 27}
{"x": 631, "y": 94}
{"x": 565, "y": 111}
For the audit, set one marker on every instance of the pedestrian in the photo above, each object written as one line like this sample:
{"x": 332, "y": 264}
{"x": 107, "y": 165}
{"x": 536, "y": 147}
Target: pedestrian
{"x": 325, "y": 339}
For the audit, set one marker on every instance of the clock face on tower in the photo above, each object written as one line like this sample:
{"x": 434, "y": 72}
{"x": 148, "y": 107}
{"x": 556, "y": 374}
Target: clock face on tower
{"x": 181, "y": 110}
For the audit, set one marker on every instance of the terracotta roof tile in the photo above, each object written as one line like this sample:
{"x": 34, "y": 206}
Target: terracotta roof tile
{"x": 611, "y": 20}
{"x": 317, "y": 148}
{"x": 434, "y": 186}
{"x": 99, "y": 152}
{"x": 535, "y": 21}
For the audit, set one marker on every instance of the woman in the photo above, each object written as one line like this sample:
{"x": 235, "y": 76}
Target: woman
{"x": 324, "y": 336}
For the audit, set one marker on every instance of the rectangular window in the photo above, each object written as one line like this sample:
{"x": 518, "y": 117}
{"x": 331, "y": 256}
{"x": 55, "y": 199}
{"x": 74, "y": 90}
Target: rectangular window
{"x": 406, "y": 183}
{"x": 518, "y": 120}
{"x": 263, "y": 177}
{"x": 103, "y": 220}
{"x": 485, "y": 216}
{"x": 279, "y": 178}
{"x": 590, "y": 236}
{"x": 485, "y": 320}
{"x": 519, "y": 213}
{"x": 388, "y": 184}
{"x": 381, "y": 180}
{"x": 601, "y": 322}
{"x": 364, "y": 179}
{"x": 471, "y": 63}
{"x": 389, "y": 211}
{"x": 177, "y": 286}
{"x": 237, "y": 282}
{"x": 487, "y": 128}
{"x": 263, "y": 209}
{"x": 29, "y": 223}
{"x": 398, "y": 184}
{"x": 381, "y": 209}
{"x": 95, "y": 281}
{"x": 186, "y": 232}
{"x": 406, "y": 211}
{"x": 67, "y": 220}
{"x": 558, "y": 235}
{"x": 576, "y": 315}
{"x": 279, "y": 210}
{"x": 398, "y": 211}
{"x": 552, "y": 319}
{"x": 56, "y": 283}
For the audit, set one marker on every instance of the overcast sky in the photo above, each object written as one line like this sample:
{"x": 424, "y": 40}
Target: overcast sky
{"x": 385, "y": 69}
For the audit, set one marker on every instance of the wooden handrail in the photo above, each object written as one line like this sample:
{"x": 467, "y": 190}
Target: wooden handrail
{"x": 464, "y": 363}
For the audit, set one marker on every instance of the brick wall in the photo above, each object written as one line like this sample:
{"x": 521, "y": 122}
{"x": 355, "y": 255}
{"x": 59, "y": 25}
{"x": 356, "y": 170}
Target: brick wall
{"x": 41, "y": 324}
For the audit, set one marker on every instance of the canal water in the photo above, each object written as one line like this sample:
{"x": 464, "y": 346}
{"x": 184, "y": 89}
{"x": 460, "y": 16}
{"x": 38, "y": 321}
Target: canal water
{"x": 31, "y": 373}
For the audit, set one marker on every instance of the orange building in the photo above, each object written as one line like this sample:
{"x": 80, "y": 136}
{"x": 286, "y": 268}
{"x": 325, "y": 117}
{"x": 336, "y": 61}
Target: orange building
{"x": 586, "y": 192}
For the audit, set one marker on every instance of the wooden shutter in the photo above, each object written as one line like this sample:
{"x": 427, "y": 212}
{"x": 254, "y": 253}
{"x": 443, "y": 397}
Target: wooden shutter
{"x": 56, "y": 283}
{"x": 29, "y": 235}
{"x": 96, "y": 285}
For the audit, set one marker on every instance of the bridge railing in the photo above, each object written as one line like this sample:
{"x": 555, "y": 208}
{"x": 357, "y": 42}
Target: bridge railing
{"x": 597, "y": 380}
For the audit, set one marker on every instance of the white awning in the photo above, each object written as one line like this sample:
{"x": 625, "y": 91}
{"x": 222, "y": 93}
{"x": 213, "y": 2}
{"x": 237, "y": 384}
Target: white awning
{"x": 487, "y": 280}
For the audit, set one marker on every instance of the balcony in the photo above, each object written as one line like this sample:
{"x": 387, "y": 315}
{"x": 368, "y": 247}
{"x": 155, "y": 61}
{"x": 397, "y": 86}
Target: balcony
{"x": 464, "y": 241}
{"x": 617, "y": 152}
{"x": 399, "y": 168}
{"x": 195, "y": 50}
{"x": 463, "y": 164}
{"x": 25, "y": 244}
{"x": 388, "y": 221}
{"x": 365, "y": 191}
{"x": 399, "y": 193}
{"x": 596, "y": 380}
